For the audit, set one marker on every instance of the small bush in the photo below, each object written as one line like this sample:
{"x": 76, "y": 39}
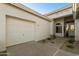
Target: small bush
{"x": 43, "y": 41}
{"x": 70, "y": 46}
{"x": 52, "y": 42}
{"x": 53, "y": 37}
{"x": 71, "y": 41}
{"x": 49, "y": 38}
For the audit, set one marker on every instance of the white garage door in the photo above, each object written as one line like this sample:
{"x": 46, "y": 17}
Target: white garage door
{"x": 19, "y": 31}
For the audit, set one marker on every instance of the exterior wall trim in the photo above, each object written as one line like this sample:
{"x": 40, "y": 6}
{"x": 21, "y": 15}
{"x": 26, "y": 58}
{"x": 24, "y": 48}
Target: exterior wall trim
{"x": 58, "y": 10}
{"x": 22, "y": 7}
{"x": 20, "y": 18}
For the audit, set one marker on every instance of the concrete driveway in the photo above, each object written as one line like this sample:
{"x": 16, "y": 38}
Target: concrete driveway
{"x": 48, "y": 48}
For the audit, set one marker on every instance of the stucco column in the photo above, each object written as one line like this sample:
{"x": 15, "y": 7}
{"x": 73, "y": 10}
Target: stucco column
{"x": 63, "y": 27}
{"x": 77, "y": 30}
{"x": 2, "y": 31}
{"x": 51, "y": 28}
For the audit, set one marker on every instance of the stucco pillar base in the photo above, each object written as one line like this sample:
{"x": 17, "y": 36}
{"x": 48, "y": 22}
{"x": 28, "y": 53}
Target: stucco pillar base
{"x": 2, "y": 31}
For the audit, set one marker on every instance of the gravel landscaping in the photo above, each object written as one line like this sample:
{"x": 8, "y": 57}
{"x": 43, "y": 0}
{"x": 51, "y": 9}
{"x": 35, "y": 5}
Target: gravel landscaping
{"x": 71, "y": 47}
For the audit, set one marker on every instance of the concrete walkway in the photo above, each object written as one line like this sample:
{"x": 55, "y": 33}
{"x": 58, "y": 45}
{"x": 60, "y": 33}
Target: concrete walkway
{"x": 39, "y": 49}
{"x": 64, "y": 53}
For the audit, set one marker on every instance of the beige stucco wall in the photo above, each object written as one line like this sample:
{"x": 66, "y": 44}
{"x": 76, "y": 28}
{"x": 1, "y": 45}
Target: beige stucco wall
{"x": 42, "y": 25}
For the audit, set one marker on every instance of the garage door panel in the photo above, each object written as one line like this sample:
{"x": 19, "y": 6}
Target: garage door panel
{"x": 19, "y": 31}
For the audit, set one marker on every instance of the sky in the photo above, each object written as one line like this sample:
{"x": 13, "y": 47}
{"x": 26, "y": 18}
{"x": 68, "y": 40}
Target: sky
{"x": 44, "y": 8}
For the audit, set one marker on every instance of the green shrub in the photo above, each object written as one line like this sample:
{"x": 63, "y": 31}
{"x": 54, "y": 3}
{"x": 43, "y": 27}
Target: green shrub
{"x": 43, "y": 41}
{"x": 49, "y": 38}
{"x": 53, "y": 37}
{"x": 70, "y": 46}
{"x": 52, "y": 42}
{"x": 71, "y": 41}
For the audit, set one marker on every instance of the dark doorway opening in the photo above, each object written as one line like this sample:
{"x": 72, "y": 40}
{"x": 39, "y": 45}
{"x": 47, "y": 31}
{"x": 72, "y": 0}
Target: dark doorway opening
{"x": 69, "y": 26}
{"x": 69, "y": 29}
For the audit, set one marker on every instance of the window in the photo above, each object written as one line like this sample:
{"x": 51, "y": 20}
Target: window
{"x": 58, "y": 28}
